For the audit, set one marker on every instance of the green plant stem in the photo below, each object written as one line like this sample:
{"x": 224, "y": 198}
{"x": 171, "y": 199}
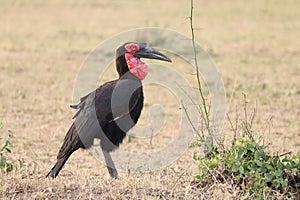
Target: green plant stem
{"x": 205, "y": 116}
{"x": 190, "y": 121}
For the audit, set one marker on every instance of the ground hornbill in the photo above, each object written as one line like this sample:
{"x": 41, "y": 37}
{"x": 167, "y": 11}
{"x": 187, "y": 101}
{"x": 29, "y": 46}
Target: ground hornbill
{"x": 112, "y": 109}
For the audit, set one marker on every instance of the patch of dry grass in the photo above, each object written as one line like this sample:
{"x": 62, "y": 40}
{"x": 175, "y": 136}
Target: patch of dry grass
{"x": 42, "y": 45}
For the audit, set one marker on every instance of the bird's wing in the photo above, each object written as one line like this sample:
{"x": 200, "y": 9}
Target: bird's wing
{"x": 109, "y": 102}
{"x": 84, "y": 121}
{"x": 122, "y": 99}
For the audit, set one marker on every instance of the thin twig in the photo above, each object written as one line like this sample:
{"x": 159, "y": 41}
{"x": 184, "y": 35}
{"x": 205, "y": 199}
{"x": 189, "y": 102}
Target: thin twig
{"x": 286, "y": 153}
{"x": 233, "y": 129}
{"x": 189, "y": 119}
{"x": 206, "y": 116}
{"x": 253, "y": 114}
{"x": 190, "y": 98}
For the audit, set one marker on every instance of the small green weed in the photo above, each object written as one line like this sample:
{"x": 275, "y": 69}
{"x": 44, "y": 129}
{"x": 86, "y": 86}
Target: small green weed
{"x": 248, "y": 165}
{"x": 130, "y": 137}
{"x": 251, "y": 168}
{"x": 7, "y": 163}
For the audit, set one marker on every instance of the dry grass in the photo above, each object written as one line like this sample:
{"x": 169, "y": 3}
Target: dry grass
{"x": 42, "y": 45}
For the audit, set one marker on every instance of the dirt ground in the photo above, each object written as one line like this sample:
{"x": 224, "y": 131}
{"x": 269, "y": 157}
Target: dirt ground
{"x": 255, "y": 45}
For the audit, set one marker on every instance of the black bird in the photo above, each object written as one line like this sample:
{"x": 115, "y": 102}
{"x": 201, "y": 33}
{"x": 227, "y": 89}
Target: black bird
{"x": 112, "y": 109}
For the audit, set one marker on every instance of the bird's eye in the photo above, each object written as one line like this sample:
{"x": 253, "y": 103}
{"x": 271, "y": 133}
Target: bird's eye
{"x": 133, "y": 47}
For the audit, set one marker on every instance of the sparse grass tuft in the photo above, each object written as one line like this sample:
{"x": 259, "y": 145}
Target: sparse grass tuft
{"x": 7, "y": 162}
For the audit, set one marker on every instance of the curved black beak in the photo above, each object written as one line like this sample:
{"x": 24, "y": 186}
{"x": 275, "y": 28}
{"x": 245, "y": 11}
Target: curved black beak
{"x": 151, "y": 53}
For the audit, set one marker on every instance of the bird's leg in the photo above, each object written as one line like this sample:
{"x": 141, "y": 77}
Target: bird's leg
{"x": 110, "y": 165}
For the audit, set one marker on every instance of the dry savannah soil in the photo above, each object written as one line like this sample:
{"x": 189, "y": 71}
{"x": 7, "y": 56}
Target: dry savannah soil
{"x": 255, "y": 45}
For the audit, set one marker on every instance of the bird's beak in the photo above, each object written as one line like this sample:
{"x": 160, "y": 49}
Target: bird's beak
{"x": 151, "y": 53}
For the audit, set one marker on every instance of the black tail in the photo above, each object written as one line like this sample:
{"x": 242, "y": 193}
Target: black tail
{"x": 57, "y": 167}
{"x": 71, "y": 143}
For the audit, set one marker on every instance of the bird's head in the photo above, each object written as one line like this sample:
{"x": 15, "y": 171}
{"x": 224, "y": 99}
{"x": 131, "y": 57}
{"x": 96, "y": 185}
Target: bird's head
{"x": 129, "y": 58}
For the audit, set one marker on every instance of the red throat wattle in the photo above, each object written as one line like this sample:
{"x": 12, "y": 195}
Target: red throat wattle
{"x": 138, "y": 68}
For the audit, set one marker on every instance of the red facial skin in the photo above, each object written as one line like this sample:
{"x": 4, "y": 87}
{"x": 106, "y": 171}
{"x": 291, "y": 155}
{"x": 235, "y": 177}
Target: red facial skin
{"x": 138, "y": 68}
{"x": 132, "y": 47}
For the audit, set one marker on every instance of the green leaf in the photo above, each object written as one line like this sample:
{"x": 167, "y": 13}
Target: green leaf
{"x": 263, "y": 168}
{"x": 195, "y": 156}
{"x": 2, "y": 162}
{"x": 241, "y": 170}
{"x": 284, "y": 183}
{"x": 235, "y": 168}
{"x": 259, "y": 163}
{"x": 270, "y": 167}
{"x": 275, "y": 183}
{"x": 278, "y": 173}
{"x": 240, "y": 154}
{"x": 8, "y": 150}
{"x": 226, "y": 172}
{"x": 285, "y": 159}
{"x": 269, "y": 177}
{"x": 236, "y": 178}
{"x": 257, "y": 155}
{"x": 251, "y": 147}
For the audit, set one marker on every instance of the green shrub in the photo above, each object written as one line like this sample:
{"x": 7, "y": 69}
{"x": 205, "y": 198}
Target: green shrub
{"x": 248, "y": 165}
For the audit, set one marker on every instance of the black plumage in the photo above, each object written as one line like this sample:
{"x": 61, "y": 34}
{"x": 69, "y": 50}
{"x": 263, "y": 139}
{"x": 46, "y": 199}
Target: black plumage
{"x": 112, "y": 109}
